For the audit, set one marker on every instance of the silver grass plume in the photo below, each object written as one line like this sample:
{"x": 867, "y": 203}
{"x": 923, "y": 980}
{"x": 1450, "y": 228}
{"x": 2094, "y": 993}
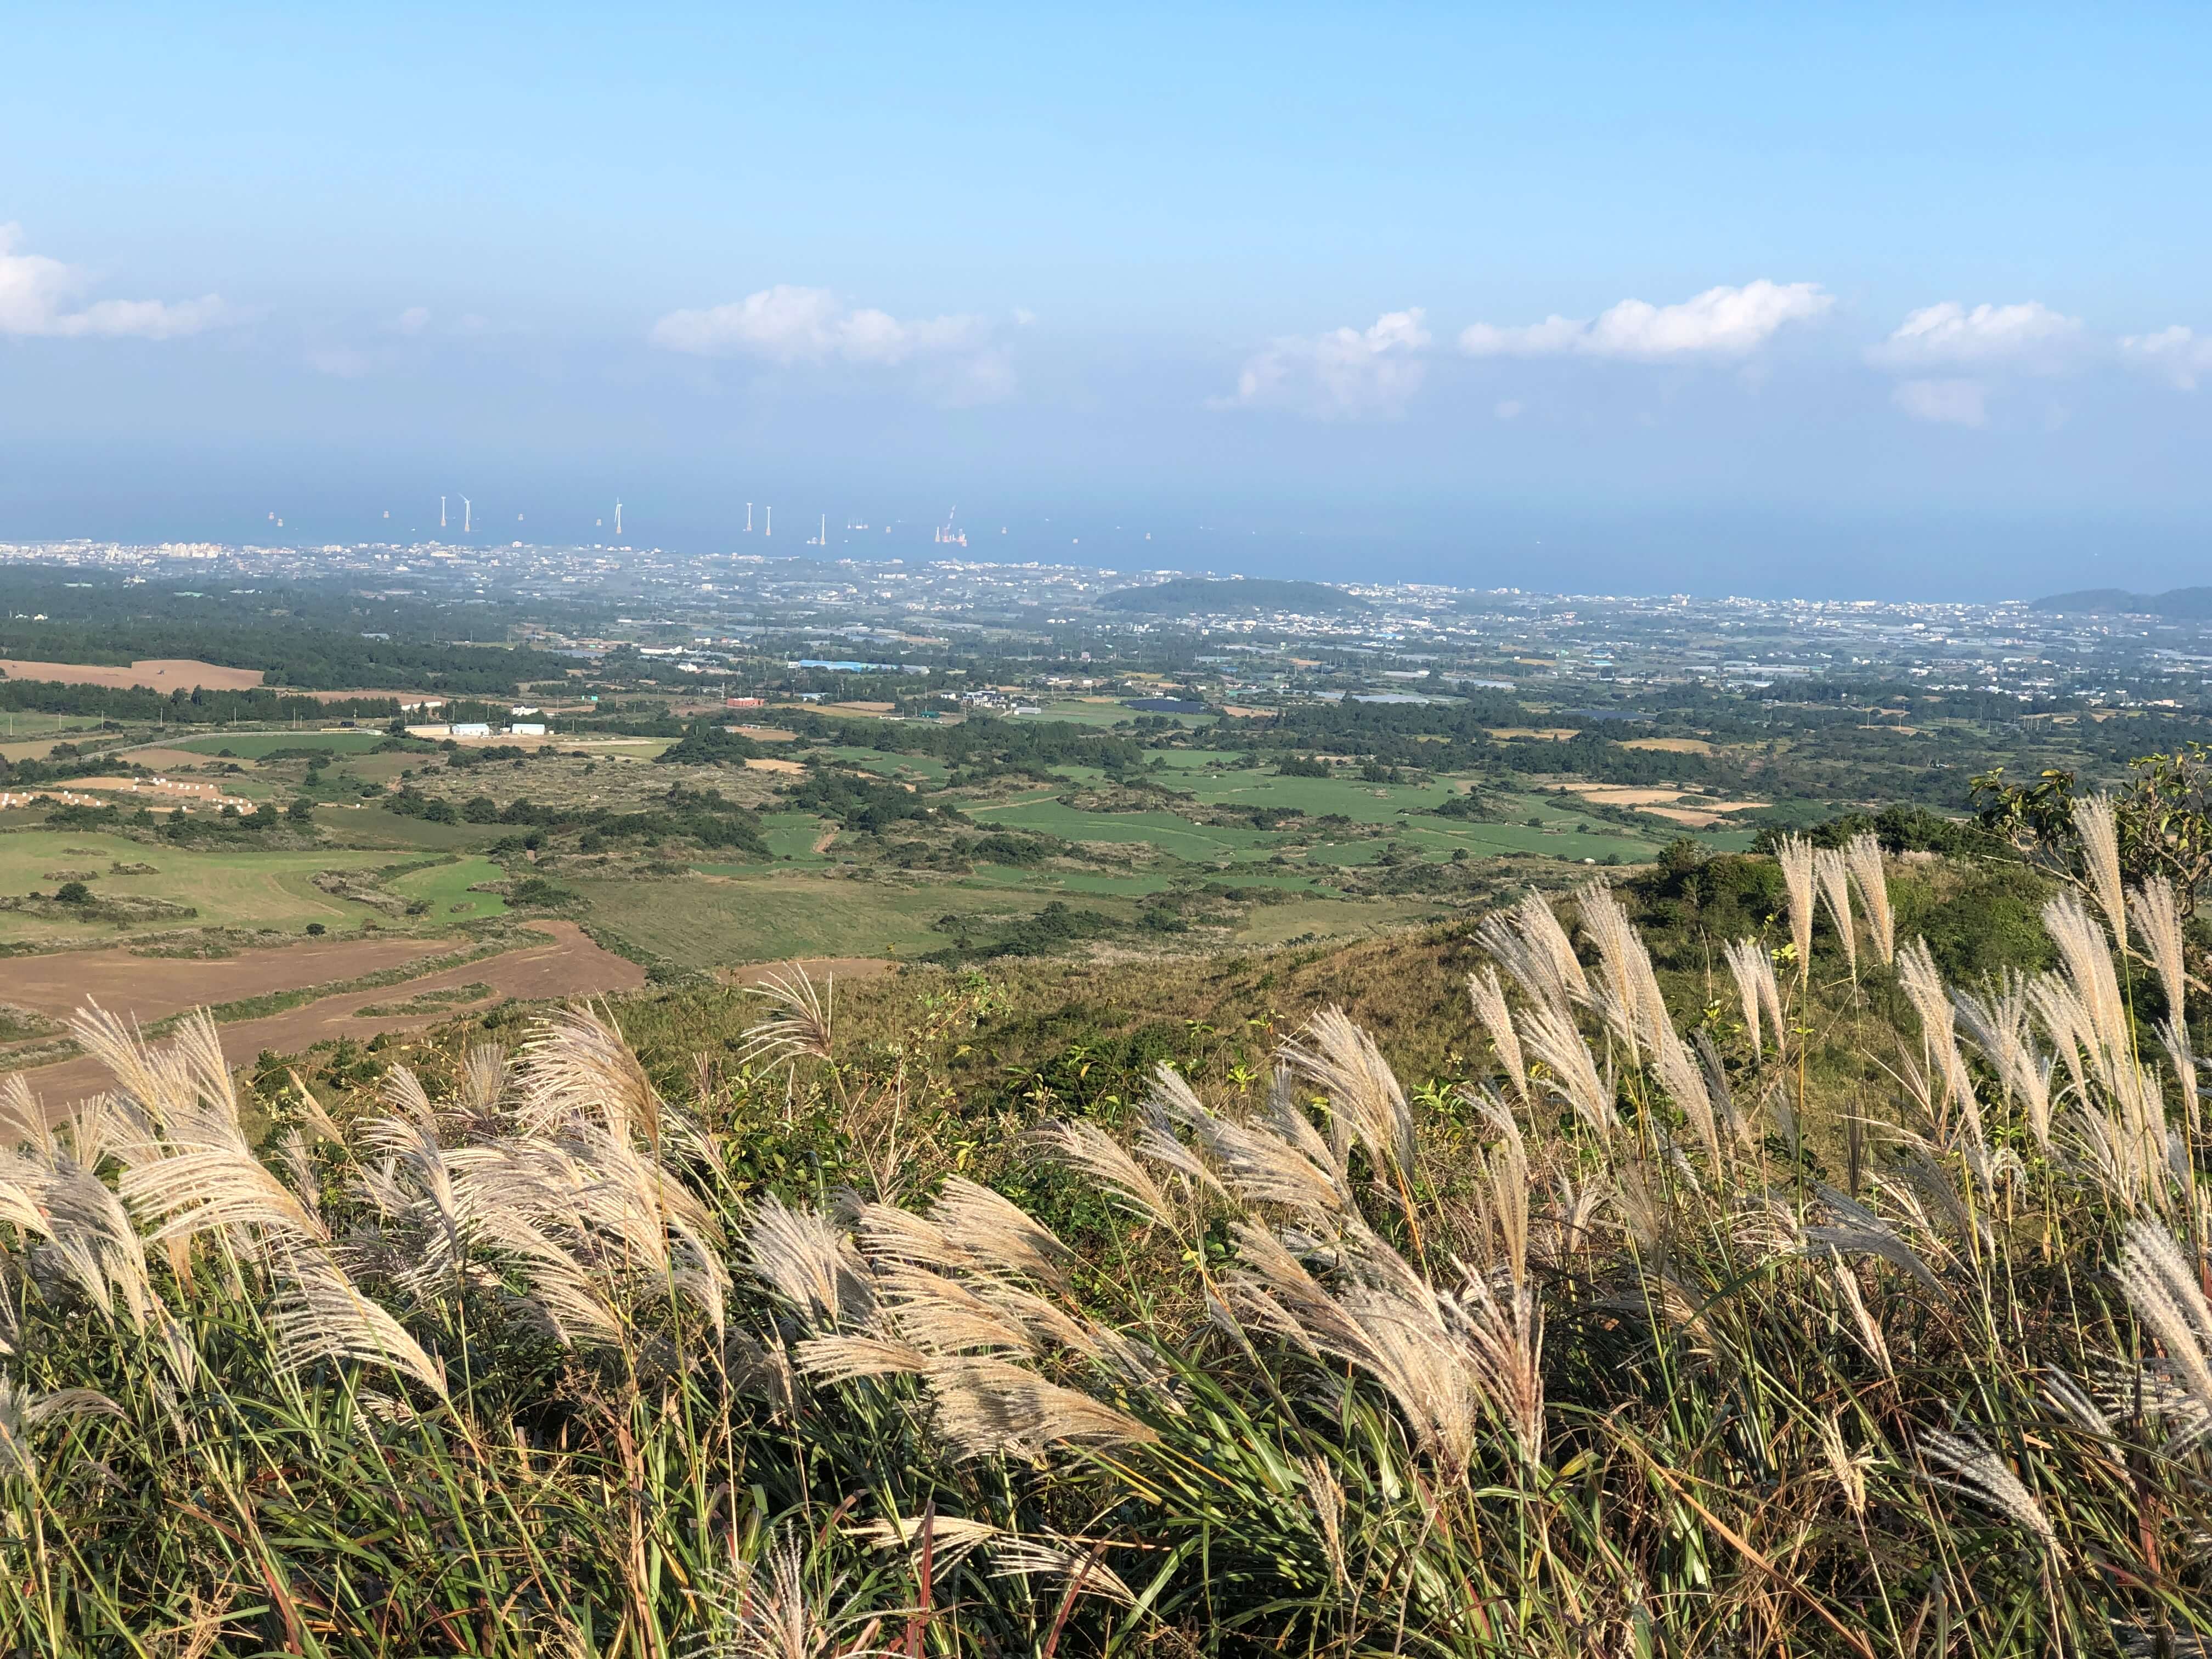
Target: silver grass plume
{"x": 1089, "y": 1149}
{"x": 995, "y": 1228}
{"x": 1979, "y": 1474}
{"x": 197, "y": 1173}
{"x": 319, "y": 1314}
{"x": 800, "y": 1255}
{"x": 764, "y": 1610}
{"x": 803, "y": 1021}
{"x": 1529, "y": 944}
{"x": 1631, "y": 1001}
{"x": 2175, "y": 1035}
{"x": 2158, "y": 919}
{"x": 1017, "y": 1555}
{"x": 2161, "y": 1285}
{"x": 1794, "y": 854}
{"x": 1280, "y": 1159}
{"x": 1341, "y": 1061}
{"x": 1551, "y": 1037}
{"x": 1685, "y": 1083}
{"x": 2088, "y": 967}
{"x": 23, "y": 1119}
{"x": 575, "y": 1068}
{"x": 991, "y": 1408}
{"x": 1488, "y": 996}
{"x": 2098, "y": 825}
{"x": 1834, "y": 877}
{"x": 1753, "y": 970}
{"x": 1862, "y": 856}
{"x": 1923, "y": 984}
{"x": 1997, "y": 1024}
{"x": 23, "y": 1409}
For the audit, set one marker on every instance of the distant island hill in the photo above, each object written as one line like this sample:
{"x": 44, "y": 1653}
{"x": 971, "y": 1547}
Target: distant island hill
{"x": 2178, "y": 605}
{"x": 1200, "y": 595}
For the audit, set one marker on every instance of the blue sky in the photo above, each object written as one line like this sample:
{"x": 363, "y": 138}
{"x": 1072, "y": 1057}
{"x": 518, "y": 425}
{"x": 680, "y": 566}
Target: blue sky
{"x": 1891, "y": 300}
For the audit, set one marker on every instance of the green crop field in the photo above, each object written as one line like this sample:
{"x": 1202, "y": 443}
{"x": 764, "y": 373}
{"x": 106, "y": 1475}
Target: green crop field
{"x": 702, "y": 922}
{"x": 1199, "y": 844}
{"x": 446, "y": 888}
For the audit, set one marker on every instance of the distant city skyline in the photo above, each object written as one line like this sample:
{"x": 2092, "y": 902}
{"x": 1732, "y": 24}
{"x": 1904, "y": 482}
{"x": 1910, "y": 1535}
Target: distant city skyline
{"x": 1707, "y": 299}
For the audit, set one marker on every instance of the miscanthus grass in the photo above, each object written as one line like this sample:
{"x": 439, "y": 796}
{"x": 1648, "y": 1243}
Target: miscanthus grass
{"x": 1588, "y": 1356}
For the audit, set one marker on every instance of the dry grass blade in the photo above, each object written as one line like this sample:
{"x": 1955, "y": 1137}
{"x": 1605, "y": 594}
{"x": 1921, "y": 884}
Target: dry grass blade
{"x": 1529, "y": 944}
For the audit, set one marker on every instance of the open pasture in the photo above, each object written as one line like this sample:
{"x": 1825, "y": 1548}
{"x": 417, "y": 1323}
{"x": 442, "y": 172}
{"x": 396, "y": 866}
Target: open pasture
{"x": 243, "y": 888}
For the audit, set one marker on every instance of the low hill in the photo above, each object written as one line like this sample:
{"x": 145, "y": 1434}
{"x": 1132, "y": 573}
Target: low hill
{"x": 1200, "y": 595}
{"x": 2177, "y": 605}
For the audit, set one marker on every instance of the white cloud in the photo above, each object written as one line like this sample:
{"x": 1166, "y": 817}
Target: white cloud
{"x": 2030, "y": 335}
{"x": 1728, "y": 322}
{"x": 413, "y": 320}
{"x": 1345, "y": 373}
{"x": 1951, "y": 403}
{"x": 2179, "y": 354}
{"x": 1510, "y": 410}
{"x": 790, "y": 324}
{"x": 38, "y": 296}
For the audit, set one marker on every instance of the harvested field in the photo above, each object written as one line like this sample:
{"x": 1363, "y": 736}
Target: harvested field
{"x": 1546, "y": 733}
{"x": 159, "y": 673}
{"x": 567, "y": 964}
{"x": 1670, "y": 745}
{"x": 757, "y": 763}
{"x": 766, "y": 734}
{"x": 148, "y": 988}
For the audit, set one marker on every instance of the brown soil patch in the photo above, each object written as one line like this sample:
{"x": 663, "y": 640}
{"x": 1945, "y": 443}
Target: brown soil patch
{"x": 1606, "y": 794}
{"x": 567, "y": 964}
{"x": 1671, "y": 745}
{"x": 767, "y": 733}
{"x": 146, "y": 989}
{"x": 1549, "y": 733}
{"x": 160, "y": 673}
{"x": 822, "y": 841}
{"x": 1690, "y": 816}
{"x": 868, "y": 707}
{"x": 758, "y": 764}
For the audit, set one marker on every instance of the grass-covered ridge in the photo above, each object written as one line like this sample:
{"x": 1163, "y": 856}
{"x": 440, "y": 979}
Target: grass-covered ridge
{"x": 1788, "y": 1300}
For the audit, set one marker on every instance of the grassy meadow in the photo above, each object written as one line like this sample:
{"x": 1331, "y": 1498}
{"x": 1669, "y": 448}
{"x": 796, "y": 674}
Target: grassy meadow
{"x": 1801, "y": 1257}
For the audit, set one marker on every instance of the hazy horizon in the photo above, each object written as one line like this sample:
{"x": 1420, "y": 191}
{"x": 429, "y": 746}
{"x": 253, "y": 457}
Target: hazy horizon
{"x": 1713, "y": 300}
